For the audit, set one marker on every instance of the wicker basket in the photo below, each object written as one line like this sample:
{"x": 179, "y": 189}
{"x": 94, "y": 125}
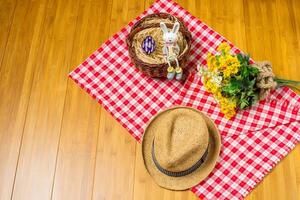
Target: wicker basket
{"x": 156, "y": 66}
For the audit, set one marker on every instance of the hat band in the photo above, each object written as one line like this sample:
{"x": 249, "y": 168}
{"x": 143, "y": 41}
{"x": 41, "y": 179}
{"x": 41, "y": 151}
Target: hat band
{"x": 181, "y": 173}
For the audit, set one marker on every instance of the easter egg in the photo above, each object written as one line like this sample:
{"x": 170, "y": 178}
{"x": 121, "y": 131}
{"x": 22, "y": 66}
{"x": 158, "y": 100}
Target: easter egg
{"x": 148, "y": 45}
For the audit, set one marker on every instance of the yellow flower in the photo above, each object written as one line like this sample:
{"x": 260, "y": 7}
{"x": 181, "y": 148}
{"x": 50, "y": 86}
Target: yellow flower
{"x": 230, "y": 65}
{"x": 211, "y": 62}
{"x": 224, "y": 47}
{"x": 219, "y": 95}
{"x": 219, "y": 69}
{"x": 210, "y": 86}
{"x": 228, "y": 107}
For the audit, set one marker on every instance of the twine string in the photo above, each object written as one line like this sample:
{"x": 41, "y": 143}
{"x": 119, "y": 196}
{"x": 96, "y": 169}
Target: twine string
{"x": 265, "y": 80}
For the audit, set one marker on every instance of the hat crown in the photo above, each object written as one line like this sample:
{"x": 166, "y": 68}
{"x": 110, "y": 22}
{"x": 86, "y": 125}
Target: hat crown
{"x": 182, "y": 140}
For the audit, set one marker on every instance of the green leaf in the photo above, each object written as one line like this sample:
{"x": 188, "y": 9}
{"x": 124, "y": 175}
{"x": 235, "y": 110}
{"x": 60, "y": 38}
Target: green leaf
{"x": 232, "y": 88}
{"x": 238, "y": 77}
{"x": 253, "y": 71}
{"x": 243, "y": 104}
{"x": 242, "y": 87}
{"x": 247, "y": 58}
{"x": 252, "y": 83}
{"x": 240, "y": 58}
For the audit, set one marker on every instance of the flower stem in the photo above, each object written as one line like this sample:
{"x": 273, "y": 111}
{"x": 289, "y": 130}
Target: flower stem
{"x": 294, "y": 87}
{"x": 285, "y": 81}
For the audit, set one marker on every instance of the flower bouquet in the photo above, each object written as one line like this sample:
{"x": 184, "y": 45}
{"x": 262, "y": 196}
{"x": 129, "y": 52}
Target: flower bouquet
{"x": 235, "y": 82}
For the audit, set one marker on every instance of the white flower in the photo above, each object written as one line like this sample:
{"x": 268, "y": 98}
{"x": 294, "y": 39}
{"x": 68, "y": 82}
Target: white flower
{"x": 217, "y": 80}
{"x": 202, "y": 71}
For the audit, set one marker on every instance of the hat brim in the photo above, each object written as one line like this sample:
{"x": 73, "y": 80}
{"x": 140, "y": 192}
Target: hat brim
{"x": 190, "y": 180}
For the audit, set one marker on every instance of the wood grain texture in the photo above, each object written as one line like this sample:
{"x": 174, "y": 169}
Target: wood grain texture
{"x": 58, "y": 143}
{"x": 17, "y": 69}
{"x": 38, "y": 151}
{"x": 77, "y": 147}
{"x": 115, "y": 145}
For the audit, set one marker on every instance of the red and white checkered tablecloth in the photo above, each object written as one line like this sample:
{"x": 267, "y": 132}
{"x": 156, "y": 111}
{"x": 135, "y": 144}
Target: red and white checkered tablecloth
{"x": 109, "y": 76}
{"x": 281, "y": 107}
{"x": 253, "y": 142}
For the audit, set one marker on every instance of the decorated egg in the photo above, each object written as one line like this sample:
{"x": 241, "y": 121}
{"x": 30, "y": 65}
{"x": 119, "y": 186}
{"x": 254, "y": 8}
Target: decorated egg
{"x": 148, "y": 45}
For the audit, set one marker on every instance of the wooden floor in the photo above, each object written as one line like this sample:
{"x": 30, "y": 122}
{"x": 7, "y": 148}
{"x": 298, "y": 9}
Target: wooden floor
{"x": 56, "y": 142}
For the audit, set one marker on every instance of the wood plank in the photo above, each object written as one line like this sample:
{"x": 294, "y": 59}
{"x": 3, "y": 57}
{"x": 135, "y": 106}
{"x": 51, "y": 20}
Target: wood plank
{"x": 295, "y": 156}
{"x": 114, "y": 172}
{"x": 74, "y": 177}
{"x": 36, "y": 164}
{"x": 77, "y": 148}
{"x": 7, "y": 10}
{"x": 289, "y": 39}
{"x": 271, "y": 35}
{"x": 296, "y": 153}
{"x": 16, "y": 76}
{"x": 227, "y": 20}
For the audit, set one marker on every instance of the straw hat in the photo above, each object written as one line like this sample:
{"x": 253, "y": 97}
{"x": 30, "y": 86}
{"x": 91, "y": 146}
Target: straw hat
{"x": 180, "y": 147}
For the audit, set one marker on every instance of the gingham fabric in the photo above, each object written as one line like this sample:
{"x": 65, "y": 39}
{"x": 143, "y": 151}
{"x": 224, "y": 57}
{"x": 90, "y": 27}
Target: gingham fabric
{"x": 132, "y": 98}
{"x": 254, "y": 141}
{"x": 245, "y": 159}
{"x": 281, "y": 107}
{"x": 109, "y": 76}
